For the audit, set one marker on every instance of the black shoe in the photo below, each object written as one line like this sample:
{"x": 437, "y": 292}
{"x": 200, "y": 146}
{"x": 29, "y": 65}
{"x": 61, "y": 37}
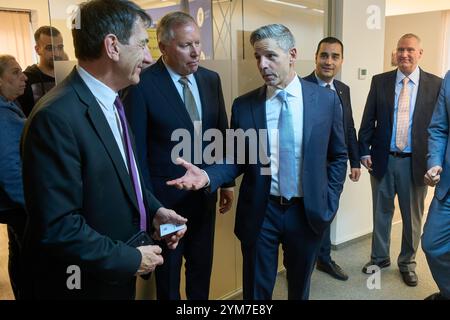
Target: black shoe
{"x": 332, "y": 269}
{"x": 436, "y": 296}
{"x": 382, "y": 264}
{"x": 410, "y": 278}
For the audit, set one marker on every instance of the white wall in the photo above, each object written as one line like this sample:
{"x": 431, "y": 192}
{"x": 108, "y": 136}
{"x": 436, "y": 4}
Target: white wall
{"x": 363, "y": 48}
{"x": 428, "y": 26}
{"x": 398, "y": 7}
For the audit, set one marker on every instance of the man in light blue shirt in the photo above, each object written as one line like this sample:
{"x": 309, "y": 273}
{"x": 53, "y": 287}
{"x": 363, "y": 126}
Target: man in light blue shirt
{"x": 393, "y": 147}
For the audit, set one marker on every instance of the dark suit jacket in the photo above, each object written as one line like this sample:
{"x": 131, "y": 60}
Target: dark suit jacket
{"x": 343, "y": 92}
{"x": 377, "y": 123}
{"x": 155, "y": 111}
{"x": 324, "y": 161}
{"x": 81, "y": 202}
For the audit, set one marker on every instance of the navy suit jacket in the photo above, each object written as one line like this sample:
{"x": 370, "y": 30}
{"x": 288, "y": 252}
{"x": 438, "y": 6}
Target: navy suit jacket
{"x": 155, "y": 111}
{"x": 324, "y": 160}
{"x": 343, "y": 92}
{"x": 377, "y": 123}
{"x": 438, "y": 141}
{"x": 80, "y": 200}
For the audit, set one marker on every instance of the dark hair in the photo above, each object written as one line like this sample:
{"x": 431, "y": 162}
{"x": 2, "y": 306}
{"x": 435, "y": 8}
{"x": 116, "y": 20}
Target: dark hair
{"x": 169, "y": 22}
{"x": 330, "y": 40}
{"x": 47, "y": 30}
{"x": 98, "y": 18}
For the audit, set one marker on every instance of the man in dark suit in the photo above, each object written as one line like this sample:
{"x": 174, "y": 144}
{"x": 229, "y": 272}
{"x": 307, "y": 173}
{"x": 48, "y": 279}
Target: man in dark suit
{"x": 436, "y": 232}
{"x": 292, "y": 198}
{"x": 329, "y": 58}
{"x": 81, "y": 180}
{"x": 393, "y": 147}
{"x": 175, "y": 95}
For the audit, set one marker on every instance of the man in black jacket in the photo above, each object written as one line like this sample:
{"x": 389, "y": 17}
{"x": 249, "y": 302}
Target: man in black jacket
{"x": 83, "y": 190}
{"x": 329, "y": 58}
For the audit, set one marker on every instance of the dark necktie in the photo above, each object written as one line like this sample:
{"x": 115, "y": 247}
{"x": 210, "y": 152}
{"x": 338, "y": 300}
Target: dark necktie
{"x": 328, "y": 86}
{"x": 132, "y": 169}
{"x": 189, "y": 100}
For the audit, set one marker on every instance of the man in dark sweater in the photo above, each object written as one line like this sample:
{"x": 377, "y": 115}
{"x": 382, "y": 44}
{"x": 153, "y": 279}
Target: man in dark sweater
{"x": 41, "y": 77}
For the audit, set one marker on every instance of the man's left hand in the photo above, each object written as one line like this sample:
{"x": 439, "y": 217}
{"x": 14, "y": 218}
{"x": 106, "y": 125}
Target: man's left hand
{"x": 355, "y": 173}
{"x": 226, "y": 199}
{"x": 163, "y": 216}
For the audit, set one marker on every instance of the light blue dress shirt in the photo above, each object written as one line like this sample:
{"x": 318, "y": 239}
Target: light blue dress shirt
{"x": 413, "y": 89}
{"x": 273, "y": 108}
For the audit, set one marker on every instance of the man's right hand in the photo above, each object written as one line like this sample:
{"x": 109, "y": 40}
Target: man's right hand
{"x": 367, "y": 162}
{"x": 151, "y": 258}
{"x": 193, "y": 179}
{"x": 433, "y": 176}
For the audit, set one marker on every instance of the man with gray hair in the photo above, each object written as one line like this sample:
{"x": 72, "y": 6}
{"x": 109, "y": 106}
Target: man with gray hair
{"x": 297, "y": 201}
{"x": 393, "y": 147}
{"x": 177, "y": 94}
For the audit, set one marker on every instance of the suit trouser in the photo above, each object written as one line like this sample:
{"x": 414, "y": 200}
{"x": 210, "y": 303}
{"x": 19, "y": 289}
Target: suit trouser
{"x": 15, "y": 219}
{"x": 398, "y": 181}
{"x": 286, "y": 225}
{"x": 325, "y": 248}
{"x": 436, "y": 243}
{"x": 197, "y": 249}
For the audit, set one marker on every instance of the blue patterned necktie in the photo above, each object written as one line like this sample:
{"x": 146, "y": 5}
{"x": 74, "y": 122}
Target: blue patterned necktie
{"x": 286, "y": 149}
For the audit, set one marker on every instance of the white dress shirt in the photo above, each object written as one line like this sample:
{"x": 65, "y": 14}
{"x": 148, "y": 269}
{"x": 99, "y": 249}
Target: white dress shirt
{"x": 105, "y": 97}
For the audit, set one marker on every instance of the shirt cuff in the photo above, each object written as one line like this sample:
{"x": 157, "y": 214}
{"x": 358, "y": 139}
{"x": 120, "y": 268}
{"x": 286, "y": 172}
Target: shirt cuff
{"x": 207, "y": 177}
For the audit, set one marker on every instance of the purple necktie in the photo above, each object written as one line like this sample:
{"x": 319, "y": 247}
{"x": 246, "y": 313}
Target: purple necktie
{"x": 131, "y": 163}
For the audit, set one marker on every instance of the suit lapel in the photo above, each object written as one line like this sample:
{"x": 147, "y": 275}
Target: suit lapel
{"x": 309, "y": 97}
{"x": 104, "y": 132}
{"x": 259, "y": 115}
{"x": 173, "y": 100}
{"x": 207, "y": 122}
{"x": 344, "y": 99}
{"x": 389, "y": 88}
{"x": 421, "y": 93}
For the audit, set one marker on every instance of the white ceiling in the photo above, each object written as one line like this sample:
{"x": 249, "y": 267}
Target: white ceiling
{"x": 399, "y": 7}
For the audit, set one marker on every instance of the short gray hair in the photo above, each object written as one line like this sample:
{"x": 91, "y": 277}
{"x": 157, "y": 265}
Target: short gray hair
{"x": 280, "y": 33}
{"x": 410, "y": 35}
{"x": 169, "y": 22}
{"x": 4, "y": 61}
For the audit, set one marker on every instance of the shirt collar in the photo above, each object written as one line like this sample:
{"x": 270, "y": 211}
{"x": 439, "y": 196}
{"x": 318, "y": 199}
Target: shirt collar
{"x": 104, "y": 94}
{"x": 175, "y": 76}
{"x": 322, "y": 83}
{"x": 413, "y": 77}
{"x": 294, "y": 88}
